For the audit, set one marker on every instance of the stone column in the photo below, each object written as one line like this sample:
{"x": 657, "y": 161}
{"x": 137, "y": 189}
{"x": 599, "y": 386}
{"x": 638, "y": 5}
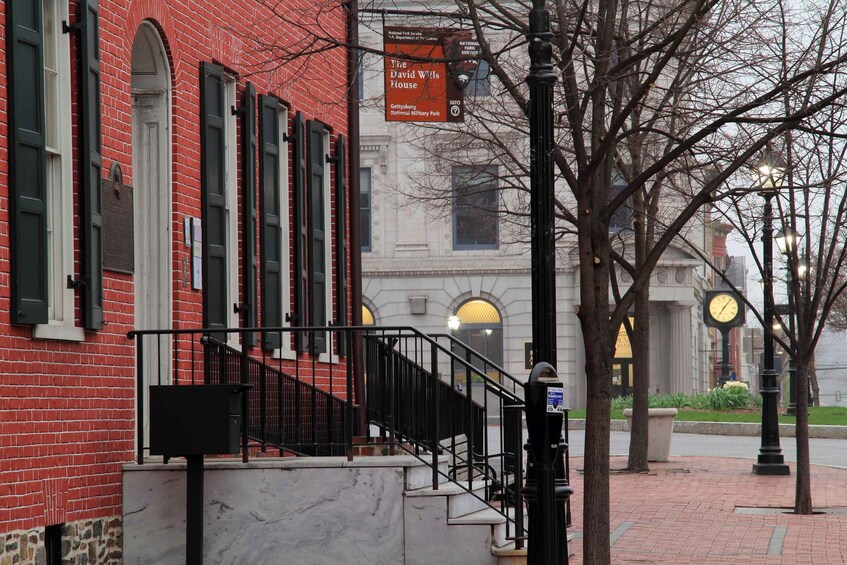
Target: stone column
{"x": 680, "y": 359}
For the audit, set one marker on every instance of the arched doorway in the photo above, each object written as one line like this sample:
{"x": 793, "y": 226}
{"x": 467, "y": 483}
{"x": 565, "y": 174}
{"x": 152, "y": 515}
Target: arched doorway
{"x": 480, "y": 327}
{"x": 622, "y": 363}
{"x": 151, "y": 177}
{"x": 368, "y": 318}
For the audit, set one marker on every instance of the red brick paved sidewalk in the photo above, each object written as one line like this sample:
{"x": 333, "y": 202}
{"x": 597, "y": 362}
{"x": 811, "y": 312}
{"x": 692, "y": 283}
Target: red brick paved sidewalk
{"x": 684, "y": 511}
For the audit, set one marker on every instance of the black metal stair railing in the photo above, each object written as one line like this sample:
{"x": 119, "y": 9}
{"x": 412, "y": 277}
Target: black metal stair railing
{"x": 444, "y": 406}
{"x": 429, "y": 395}
{"x": 284, "y": 412}
{"x": 298, "y": 404}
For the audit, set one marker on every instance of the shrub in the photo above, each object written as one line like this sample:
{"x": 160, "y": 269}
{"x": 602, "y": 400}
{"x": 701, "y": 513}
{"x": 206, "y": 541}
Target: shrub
{"x": 733, "y": 395}
{"x": 622, "y": 402}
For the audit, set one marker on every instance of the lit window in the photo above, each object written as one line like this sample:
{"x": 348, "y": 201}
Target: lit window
{"x": 367, "y": 316}
{"x": 481, "y": 329}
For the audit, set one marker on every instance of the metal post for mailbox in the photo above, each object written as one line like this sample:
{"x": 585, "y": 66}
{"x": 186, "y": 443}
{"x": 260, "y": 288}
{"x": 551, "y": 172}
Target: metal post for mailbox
{"x": 194, "y": 421}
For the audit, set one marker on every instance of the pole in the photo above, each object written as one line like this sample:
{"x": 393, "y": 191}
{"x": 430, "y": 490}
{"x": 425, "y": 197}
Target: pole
{"x": 792, "y": 367}
{"x": 194, "y": 513}
{"x": 725, "y": 363}
{"x": 353, "y": 81}
{"x": 542, "y": 211}
{"x": 547, "y": 543}
{"x": 770, "y": 460}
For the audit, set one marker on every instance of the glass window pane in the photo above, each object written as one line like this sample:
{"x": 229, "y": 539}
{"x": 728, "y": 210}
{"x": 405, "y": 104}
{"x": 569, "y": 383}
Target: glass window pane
{"x": 475, "y": 207}
{"x": 480, "y": 83}
{"x": 365, "y": 207}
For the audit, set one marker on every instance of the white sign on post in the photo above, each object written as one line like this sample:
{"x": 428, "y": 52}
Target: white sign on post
{"x": 196, "y": 254}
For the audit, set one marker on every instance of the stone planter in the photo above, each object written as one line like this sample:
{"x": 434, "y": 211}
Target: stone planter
{"x": 659, "y": 431}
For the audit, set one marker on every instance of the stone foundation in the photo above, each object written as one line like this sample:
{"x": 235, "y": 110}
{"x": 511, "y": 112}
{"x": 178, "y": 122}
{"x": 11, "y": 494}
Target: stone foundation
{"x": 88, "y": 542}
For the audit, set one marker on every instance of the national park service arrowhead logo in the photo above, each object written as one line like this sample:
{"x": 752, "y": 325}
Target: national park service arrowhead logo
{"x": 461, "y": 51}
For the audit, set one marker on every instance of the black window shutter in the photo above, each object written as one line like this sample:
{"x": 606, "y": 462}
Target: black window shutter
{"x": 317, "y": 235}
{"x": 341, "y": 236}
{"x": 269, "y": 163}
{"x": 213, "y": 195}
{"x": 248, "y": 210}
{"x": 90, "y": 168}
{"x": 301, "y": 236}
{"x": 27, "y": 175}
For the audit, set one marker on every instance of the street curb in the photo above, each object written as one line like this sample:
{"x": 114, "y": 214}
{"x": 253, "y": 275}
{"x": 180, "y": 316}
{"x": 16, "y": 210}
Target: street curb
{"x": 728, "y": 429}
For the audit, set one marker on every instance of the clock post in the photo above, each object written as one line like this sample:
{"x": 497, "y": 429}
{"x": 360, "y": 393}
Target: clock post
{"x": 725, "y": 364}
{"x": 723, "y": 310}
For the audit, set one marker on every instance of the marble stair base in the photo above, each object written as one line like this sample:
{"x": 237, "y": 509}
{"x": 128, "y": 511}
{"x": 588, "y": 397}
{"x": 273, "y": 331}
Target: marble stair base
{"x": 317, "y": 510}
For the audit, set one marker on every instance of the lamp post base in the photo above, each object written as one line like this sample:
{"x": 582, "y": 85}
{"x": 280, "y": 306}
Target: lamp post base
{"x": 770, "y": 469}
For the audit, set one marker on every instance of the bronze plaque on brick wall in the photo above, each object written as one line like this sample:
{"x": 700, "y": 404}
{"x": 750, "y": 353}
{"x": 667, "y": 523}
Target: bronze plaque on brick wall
{"x": 118, "y": 228}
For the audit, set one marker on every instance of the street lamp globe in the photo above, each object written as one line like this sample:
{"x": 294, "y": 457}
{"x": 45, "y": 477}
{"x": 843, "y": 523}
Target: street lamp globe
{"x": 770, "y": 171}
{"x": 786, "y": 240}
{"x": 802, "y": 268}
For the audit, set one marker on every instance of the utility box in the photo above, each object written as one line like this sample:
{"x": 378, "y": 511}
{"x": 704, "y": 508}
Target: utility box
{"x": 195, "y": 419}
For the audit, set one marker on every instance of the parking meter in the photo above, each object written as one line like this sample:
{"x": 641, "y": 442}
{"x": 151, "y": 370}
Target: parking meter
{"x": 545, "y": 409}
{"x": 544, "y": 399}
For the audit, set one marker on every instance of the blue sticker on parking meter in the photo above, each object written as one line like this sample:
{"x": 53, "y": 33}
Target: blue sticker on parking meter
{"x": 555, "y": 400}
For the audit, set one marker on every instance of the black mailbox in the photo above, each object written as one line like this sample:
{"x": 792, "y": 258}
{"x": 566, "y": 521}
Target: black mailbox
{"x": 195, "y": 419}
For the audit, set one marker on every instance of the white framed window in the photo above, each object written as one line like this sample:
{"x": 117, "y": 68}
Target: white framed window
{"x": 328, "y": 262}
{"x": 285, "y": 282}
{"x": 475, "y": 207}
{"x": 231, "y": 179}
{"x": 58, "y": 163}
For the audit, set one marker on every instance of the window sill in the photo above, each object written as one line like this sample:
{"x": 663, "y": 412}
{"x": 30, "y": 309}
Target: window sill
{"x": 58, "y": 331}
{"x": 284, "y": 354}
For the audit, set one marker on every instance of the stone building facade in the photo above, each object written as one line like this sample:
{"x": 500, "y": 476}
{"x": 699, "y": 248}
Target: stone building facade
{"x": 426, "y": 254}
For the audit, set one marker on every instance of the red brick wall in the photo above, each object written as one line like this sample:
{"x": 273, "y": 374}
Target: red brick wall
{"x": 67, "y": 415}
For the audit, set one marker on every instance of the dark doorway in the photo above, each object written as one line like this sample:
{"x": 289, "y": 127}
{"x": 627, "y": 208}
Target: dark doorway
{"x": 621, "y": 377}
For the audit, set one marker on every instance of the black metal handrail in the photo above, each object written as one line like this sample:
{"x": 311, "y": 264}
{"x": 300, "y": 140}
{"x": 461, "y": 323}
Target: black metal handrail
{"x": 284, "y": 412}
{"x": 477, "y": 423}
{"x": 435, "y": 401}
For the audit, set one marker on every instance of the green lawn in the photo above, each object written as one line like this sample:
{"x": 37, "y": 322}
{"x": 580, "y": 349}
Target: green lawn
{"x": 825, "y": 415}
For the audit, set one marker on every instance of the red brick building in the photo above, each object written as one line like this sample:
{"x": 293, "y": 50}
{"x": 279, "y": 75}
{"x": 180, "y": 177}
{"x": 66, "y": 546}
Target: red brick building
{"x": 222, "y": 147}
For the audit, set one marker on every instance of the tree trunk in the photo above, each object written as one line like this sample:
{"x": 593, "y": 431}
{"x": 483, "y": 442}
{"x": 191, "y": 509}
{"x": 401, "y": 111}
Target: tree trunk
{"x": 638, "y": 435}
{"x": 593, "y": 315}
{"x": 813, "y": 381}
{"x": 598, "y": 412}
{"x": 803, "y": 489}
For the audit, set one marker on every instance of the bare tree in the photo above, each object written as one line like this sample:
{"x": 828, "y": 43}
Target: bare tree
{"x": 811, "y": 209}
{"x": 660, "y": 91}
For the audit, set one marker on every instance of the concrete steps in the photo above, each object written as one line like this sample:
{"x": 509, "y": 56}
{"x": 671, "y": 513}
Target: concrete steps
{"x": 456, "y": 526}
{"x": 450, "y": 525}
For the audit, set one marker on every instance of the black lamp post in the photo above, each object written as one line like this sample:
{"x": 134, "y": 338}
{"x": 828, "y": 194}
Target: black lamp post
{"x": 546, "y": 487}
{"x": 770, "y": 460}
{"x": 786, "y": 241}
{"x": 540, "y": 80}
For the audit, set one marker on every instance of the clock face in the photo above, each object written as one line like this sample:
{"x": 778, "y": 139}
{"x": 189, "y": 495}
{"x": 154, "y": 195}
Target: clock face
{"x": 723, "y": 307}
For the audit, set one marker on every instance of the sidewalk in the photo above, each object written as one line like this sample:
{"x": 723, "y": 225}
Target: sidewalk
{"x": 728, "y": 429}
{"x": 686, "y": 511}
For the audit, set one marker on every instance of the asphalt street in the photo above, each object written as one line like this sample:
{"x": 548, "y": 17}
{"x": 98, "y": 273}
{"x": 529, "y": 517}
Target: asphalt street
{"x": 823, "y": 451}
{"x": 831, "y": 452}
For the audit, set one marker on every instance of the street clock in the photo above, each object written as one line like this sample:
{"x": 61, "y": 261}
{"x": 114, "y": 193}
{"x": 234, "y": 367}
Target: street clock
{"x": 723, "y": 308}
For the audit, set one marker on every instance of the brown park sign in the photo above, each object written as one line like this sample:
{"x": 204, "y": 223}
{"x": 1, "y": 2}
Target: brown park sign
{"x": 420, "y": 86}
